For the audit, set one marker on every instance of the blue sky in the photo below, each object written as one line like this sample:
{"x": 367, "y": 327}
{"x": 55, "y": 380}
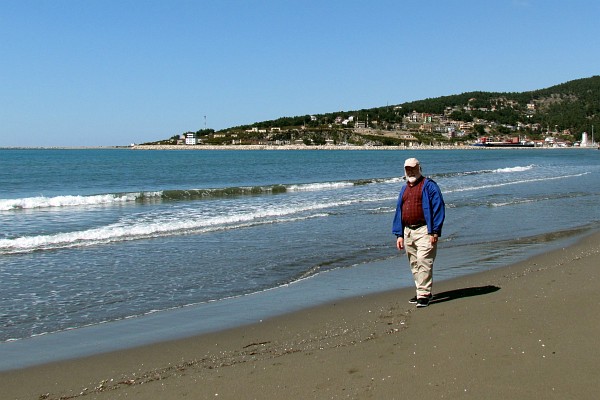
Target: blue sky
{"x": 115, "y": 72}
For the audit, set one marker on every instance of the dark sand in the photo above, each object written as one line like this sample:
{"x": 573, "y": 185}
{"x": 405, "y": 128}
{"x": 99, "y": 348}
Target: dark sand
{"x": 527, "y": 331}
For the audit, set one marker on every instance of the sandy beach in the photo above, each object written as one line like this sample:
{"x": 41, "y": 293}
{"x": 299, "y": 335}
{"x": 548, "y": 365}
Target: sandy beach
{"x": 523, "y": 331}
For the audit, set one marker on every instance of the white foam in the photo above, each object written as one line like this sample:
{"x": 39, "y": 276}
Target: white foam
{"x": 514, "y": 202}
{"x": 499, "y": 170}
{"x": 162, "y": 225}
{"x": 311, "y": 187}
{"x": 65, "y": 201}
{"x": 514, "y": 169}
{"x": 517, "y": 182}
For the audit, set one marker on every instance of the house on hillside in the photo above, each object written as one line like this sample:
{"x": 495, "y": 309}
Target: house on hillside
{"x": 190, "y": 139}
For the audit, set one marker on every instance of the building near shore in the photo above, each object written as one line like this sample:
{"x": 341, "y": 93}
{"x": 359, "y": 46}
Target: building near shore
{"x": 586, "y": 141}
{"x": 190, "y": 139}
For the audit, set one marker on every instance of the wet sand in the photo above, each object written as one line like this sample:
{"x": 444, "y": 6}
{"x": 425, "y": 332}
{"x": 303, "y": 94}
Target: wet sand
{"x": 529, "y": 330}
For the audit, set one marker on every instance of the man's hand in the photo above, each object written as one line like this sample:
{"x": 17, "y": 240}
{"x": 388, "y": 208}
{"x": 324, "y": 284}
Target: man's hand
{"x": 400, "y": 243}
{"x": 433, "y": 238}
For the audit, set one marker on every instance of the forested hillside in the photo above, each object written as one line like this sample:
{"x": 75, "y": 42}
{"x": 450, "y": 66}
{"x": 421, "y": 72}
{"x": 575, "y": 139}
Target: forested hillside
{"x": 573, "y": 105}
{"x": 564, "y": 111}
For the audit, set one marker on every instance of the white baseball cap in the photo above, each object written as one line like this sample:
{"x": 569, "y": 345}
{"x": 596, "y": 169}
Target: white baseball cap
{"x": 411, "y": 162}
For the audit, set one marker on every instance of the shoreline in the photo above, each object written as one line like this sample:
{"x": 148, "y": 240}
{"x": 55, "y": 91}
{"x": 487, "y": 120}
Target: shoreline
{"x": 365, "y": 278}
{"x": 203, "y": 318}
{"x": 510, "y": 331}
{"x": 287, "y": 147}
{"x": 335, "y": 147}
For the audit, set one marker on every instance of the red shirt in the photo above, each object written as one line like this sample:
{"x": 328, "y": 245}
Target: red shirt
{"x": 412, "y": 204}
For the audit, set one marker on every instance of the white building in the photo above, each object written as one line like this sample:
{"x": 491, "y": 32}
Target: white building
{"x": 586, "y": 141}
{"x": 190, "y": 138}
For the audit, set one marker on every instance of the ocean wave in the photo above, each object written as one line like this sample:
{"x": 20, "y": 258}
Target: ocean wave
{"x": 513, "y": 169}
{"x": 66, "y": 201}
{"x": 515, "y": 182}
{"x": 537, "y": 199}
{"x": 108, "y": 199}
{"x": 506, "y": 170}
{"x": 514, "y": 202}
{"x": 164, "y": 225}
{"x": 310, "y": 187}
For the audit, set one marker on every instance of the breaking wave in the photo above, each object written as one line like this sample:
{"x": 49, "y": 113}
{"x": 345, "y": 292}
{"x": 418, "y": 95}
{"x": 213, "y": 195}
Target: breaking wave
{"x": 506, "y": 170}
{"x": 178, "y": 194}
{"x": 515, "y": 182}
{"x": 165, "y": 225}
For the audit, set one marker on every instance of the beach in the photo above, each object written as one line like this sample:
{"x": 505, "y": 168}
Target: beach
{"x": 522, "y": 331}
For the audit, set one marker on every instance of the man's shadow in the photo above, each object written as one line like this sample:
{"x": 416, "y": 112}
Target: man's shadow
{"x": 465, "y": 292}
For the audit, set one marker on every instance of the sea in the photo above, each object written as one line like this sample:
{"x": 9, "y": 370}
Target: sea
{"x": 94, "y": 239}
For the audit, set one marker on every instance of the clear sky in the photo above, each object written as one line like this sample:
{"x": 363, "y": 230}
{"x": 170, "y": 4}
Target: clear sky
{"x": 115, "y": 72}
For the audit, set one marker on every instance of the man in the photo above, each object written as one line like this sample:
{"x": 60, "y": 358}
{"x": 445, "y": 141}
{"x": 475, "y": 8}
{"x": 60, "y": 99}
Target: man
{"x": 420, "y": 214}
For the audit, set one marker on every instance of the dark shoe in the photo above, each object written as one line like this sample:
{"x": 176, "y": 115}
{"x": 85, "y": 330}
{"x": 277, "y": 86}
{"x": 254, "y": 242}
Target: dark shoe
{"x": 413, "y": 300}
{"x": 423, "y": 302}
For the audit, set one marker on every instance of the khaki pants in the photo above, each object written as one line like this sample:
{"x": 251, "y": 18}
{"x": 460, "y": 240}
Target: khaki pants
{"x": 421, "y": 255}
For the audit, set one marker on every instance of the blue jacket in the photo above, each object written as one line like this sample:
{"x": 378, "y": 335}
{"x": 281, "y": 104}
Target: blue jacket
{"x": 433, "y": 208}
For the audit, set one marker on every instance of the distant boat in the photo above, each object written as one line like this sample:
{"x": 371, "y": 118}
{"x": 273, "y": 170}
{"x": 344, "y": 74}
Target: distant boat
{"x": 515, "y": 142}
{"x": 504, "y": 144}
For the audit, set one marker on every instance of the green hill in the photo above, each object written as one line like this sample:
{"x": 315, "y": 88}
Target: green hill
{"x": 573, "y": 105}
{"x": 567, "y": 109}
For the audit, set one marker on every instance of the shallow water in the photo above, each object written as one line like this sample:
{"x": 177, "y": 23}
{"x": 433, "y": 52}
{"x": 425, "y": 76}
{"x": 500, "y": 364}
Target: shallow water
{"x": 93, "y": 236}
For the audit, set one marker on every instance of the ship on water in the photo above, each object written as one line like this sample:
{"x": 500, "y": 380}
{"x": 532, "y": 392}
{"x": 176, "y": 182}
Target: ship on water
{"x": 513, "y": 142}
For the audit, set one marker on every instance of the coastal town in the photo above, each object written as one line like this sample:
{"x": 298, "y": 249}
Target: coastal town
{"x": 557, "y": 117}
{"x": 415, "y": 129}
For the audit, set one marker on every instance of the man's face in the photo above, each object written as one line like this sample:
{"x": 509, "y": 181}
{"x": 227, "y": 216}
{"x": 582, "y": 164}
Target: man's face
{"x": 412, "y": 173}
